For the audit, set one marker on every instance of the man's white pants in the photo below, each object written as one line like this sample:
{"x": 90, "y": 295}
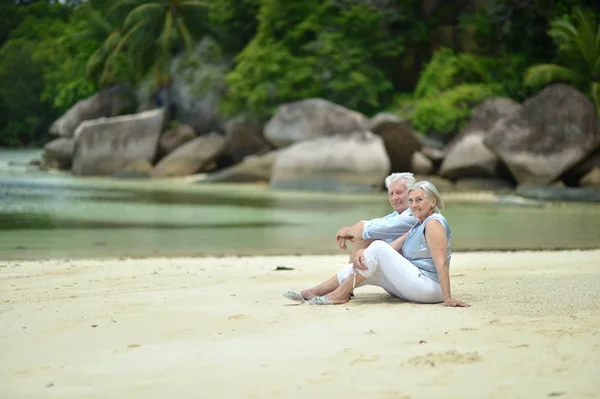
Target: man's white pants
{"x": 395, "y": 274}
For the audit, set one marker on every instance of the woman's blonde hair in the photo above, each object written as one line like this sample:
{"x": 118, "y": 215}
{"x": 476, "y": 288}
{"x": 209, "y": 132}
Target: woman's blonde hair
{"x": 430, "y": 192}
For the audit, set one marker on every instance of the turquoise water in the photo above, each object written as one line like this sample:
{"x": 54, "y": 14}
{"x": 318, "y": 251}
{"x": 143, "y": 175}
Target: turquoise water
{"x": 55, "y": 215}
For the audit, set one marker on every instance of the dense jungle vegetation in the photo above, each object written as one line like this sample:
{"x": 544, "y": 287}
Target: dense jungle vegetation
{"x": 426, "y": 60}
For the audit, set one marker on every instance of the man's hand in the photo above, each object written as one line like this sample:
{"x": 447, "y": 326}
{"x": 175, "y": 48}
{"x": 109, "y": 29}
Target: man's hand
{"x": 359, "y": 260}
{"x": 342, "y": 235}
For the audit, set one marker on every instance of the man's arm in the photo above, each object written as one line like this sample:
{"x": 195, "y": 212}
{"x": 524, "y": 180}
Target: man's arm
{"x": 349, "y": 233}
{"x": 388, "y": 228}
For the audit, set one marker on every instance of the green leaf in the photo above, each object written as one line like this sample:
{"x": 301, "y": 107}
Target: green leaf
{"x": 544, "y": 74}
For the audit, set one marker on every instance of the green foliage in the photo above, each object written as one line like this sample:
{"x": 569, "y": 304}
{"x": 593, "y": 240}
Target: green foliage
{"x": 149, "y": 33}
{"x": 447, "y": 69}
{"x": 578, "y": 43}
{"x": 312, "y": 49}
{"x": 451, "y": 84}
{"x": 233, "y": 23}
{"x": 448, "y": 112}
{"x": 22, "y": 77}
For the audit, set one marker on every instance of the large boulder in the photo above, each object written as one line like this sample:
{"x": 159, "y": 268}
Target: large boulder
{"x": 175, "y": 137}
{"x": 400, "y": 140}
{"x": 574, "y": 175}
{"x": 198, "y": 155}
{"x": 253, "y": 169}
{"x": 550, "y": 133}
{"x": 420, "y": 164}
{"x": 466, "y": 155}
{"x": 58, "y": 153}
{"x": 198, "y": 86}
{"x": 591, "y": 179}
{"x": 105, "y": 146}
{"x": 311, "y": 119}
{"x": 344, "y": 162}
{"x": 244, "y": 137}
{"x": 113, "y": 101}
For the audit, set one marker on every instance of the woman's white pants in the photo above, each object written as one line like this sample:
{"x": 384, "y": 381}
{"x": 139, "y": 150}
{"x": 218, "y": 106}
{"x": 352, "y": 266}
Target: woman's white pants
{"x": 395, "y": 274}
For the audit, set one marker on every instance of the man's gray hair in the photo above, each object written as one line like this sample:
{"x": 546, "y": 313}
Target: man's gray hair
{"x": 406, "y": 177}
{"x": 430, "y": 192}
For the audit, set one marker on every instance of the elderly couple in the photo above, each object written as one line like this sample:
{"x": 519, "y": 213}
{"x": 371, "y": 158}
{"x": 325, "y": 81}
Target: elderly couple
{"x": 407, "y": 253}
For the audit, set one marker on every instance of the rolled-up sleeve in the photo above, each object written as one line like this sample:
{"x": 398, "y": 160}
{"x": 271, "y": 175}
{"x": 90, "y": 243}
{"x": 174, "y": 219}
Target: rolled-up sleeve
{"x": 388, "y": 228}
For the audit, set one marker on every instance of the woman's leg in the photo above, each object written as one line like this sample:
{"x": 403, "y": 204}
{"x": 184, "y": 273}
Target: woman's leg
{"x": 322, "y": 289}
{"x": 397, "y": 276}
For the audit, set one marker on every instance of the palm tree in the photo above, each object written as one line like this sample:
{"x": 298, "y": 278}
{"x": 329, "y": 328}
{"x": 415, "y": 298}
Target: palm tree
{"x": 151, "y": 31}
{"x": 579, "y": 45}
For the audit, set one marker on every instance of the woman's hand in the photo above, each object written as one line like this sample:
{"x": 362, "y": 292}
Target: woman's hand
{"x": 453, "y": 303}
{"x": 359, "y": 260}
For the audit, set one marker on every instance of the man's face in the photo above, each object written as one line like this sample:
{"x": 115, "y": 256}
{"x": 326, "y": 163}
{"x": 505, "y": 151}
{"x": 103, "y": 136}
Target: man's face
{"x": 397, "y": 193}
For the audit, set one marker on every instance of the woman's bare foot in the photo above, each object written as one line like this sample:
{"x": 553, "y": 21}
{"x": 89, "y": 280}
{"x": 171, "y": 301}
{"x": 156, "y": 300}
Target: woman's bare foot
{"x": 337, "y": 299}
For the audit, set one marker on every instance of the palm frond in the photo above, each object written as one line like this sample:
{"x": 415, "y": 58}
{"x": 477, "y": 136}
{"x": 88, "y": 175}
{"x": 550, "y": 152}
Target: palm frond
{"x": 541, "y": 75}
{"x": 123, "y": 4}
{"x": 142, "y": 13}
{"x": 194, "y": 3}
{"x": 165, "y": 37}
{"x": 185, "y": 34}
{"x": 586, "y": 39}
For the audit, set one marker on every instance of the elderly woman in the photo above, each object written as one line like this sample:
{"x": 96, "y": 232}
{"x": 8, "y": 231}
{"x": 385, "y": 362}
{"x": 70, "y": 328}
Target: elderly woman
{"x": 414, "y": 267}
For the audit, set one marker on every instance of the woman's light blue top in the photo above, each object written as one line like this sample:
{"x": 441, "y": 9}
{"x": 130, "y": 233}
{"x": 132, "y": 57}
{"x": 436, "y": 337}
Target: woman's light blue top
{"x": 417, "y": 251}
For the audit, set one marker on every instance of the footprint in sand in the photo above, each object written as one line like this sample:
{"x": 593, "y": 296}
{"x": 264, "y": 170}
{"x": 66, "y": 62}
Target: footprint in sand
{"x": 237, "y": 316}
{"x": 364, "y": 359}
{"x": 449, "y": 357}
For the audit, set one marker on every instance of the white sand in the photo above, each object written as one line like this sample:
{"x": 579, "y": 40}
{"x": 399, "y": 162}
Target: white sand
{"x": 219, "y": 328}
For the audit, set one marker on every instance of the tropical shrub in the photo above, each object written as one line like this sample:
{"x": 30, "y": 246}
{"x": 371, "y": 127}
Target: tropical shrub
{"x": 313, "y": 49}
{"x": 578, "y": 43}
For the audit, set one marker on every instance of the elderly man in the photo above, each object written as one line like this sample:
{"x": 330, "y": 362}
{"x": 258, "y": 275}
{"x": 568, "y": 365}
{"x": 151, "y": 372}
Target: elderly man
{"x": 387, "y": 228}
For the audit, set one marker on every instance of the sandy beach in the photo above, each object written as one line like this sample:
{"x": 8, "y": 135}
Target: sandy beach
{"x": 219, "y": 328}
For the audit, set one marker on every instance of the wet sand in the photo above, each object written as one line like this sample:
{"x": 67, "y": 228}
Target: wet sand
{"x": 219, "y": 328}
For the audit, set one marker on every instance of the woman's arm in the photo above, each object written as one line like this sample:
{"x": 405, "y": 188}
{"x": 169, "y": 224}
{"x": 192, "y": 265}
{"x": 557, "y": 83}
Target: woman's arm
{"x": 398, "y": 243}
{"x": 435, "y": 234}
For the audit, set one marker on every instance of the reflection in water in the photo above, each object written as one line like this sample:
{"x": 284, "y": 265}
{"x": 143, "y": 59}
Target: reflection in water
{"x": 56, "y": 215}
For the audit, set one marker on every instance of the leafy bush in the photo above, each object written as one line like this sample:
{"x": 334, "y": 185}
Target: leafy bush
{"x": 448, "y": 112}
{"x": 312, "y": 49}
{"x": 451, "y": 84}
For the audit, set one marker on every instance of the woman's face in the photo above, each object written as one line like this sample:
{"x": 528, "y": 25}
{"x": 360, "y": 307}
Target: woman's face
{"x": 420, "y": 206}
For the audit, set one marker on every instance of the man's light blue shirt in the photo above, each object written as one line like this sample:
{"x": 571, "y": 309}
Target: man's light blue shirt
{"x": 390, "y": 227}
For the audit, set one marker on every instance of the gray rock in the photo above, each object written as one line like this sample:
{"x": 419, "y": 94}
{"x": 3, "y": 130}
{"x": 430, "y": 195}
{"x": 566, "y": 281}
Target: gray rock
{"x": 59, "y": 152}
{"x": 399, "y": 138}
{"x": 198, "y": 85}
{"x": 591, "y": 179}
{"x": 552, "y": 131}
{"x": 420, "y": 164}
{"x": 175, "y": 137}
{"x": 311, "y": 119}
{"x": 434, "y": 154}
{"x": 348, "y": 162}
{"x": 466, "y": 154}
{"x": 574, "y": 175}
{"x": 556, "y": 193}
{"x": 113, "y": 101}
{"x": 244, "y": 137}
{"x": 118, "y": 140}
{"x": 253, "y": 169}
{"x": 198, "y": 155}
{"x": 481, "y": 184}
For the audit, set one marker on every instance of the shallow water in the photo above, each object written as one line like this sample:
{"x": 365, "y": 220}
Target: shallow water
{"x": 47, "y": 215}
